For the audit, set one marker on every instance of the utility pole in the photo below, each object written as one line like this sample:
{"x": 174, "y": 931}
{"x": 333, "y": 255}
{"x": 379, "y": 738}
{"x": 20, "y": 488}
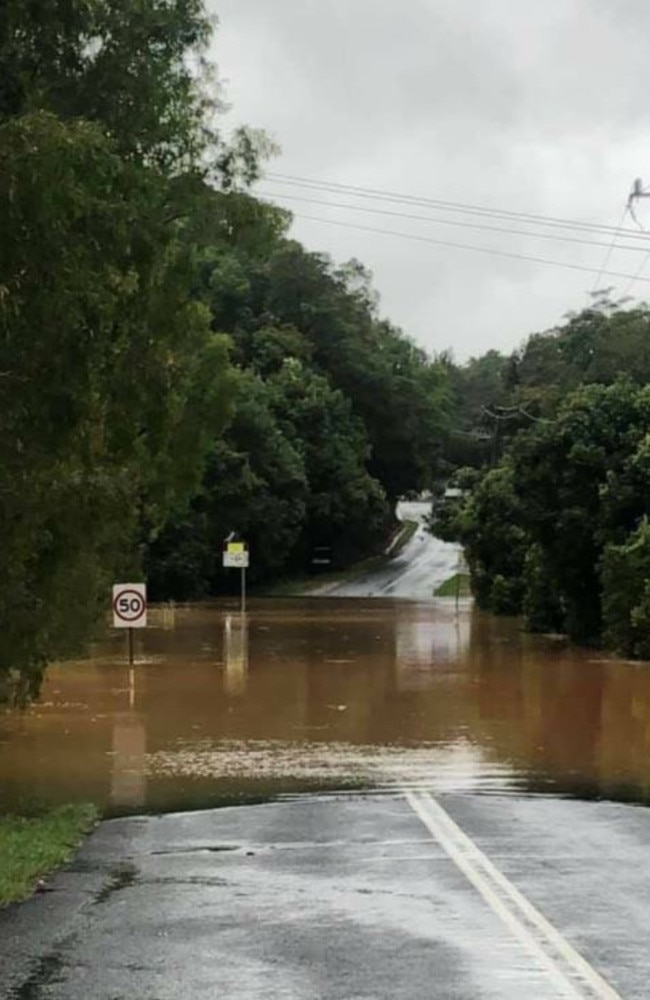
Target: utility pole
{"x": 637, "y": 192}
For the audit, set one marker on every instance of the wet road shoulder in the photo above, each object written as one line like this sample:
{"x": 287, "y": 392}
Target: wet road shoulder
{"x": 344, "y": 898}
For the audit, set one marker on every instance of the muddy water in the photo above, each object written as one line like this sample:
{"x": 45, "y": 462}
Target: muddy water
{"x": 334, "y": 694}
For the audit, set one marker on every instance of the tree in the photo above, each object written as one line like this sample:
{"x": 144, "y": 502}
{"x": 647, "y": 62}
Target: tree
{"x": 554, "y": 530}
{"x": 626, "y": 593}
{"x": 112, "y": 382}
{"x": 128, "y": 65}
{"x": 399, "y": 394}
{"x": 488, "y": 523}
{"x": 346, "y": 508}
{"x": 136, "y": 269}
{"x": 570, "y": 477}
{"x": 255, "y": 483}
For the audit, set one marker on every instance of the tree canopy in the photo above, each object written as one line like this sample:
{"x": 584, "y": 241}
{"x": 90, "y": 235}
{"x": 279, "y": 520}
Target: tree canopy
{"x": 172, "y": 365}
{"x": 557, "y": 528}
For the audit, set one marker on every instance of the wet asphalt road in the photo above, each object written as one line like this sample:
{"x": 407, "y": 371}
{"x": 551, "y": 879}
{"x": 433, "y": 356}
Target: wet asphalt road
{"x": 346, "y": 898}
{"x": 424, "y": 563}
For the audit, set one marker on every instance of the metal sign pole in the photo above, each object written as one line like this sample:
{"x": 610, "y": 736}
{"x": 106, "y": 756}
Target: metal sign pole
{"x": 243, "y": 591}
{"x": 130, "y": 631}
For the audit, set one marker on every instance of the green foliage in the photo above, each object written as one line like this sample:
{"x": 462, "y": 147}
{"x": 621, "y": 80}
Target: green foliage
{"x": 572, "y": 476}
{"x": 567, "y": 418}
{"x": 31, "y": 847}
{"x": 346, "y": 508}
{"x": 477, "y": 389}
{"x": 255, "y": 484}
{"x": 495, "y": 542}
{"x": 352, "y": 411}
{"x": 593, "y": 347}
{"x": 126, "y": 64}
{"x": 289, "y": 475}
{"x": 541, "y": 603}
{"x": 558, "y": 531}
{"x": 399, "y": 394}
{"x": 172, "y": 367}
{"x": 626, "y": 593}
{"x": 112, "y": 383}
{"x": 456, "y": 586}
{"x": 496, "y": 397}
{"x": 479, "y": 384}
{"x": 487, "y": 524}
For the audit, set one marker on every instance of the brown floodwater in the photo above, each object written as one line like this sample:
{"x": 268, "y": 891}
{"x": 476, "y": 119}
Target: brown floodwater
{"x": 327, "y": 694}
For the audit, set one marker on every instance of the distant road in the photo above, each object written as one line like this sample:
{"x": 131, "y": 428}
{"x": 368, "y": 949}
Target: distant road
{"x": 422, "y": 565}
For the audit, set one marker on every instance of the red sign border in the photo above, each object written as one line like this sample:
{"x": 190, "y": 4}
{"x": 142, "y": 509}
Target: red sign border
{"x": 121, "y": 594}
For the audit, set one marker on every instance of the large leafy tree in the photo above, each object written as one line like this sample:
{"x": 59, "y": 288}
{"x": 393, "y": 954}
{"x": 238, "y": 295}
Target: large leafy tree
{"x": 572, "y": 477}
{"x": 131, "y": 244}
{"x": 400, "y": 395}
{"x": 289, "y": 476}
{"x": 129, "y": 65}
{"x": 255, "y": 484}
{"x": 346, "y": 508}
{"x": 113, "y": 383}
{"x": 560, "y": 524}
{"x": 111, "y": 378}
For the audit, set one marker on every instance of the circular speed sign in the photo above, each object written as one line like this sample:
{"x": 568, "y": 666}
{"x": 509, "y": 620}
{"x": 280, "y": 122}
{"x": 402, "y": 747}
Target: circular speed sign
{"x": 129, "y": 605}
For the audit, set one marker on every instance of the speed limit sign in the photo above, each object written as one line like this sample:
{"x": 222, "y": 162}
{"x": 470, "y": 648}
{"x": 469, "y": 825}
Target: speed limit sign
{"x": 129, "y": 605}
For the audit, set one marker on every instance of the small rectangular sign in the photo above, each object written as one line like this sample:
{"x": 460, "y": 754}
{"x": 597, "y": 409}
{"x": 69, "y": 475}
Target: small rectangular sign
{"x": 235, "y": 548}
{"x": 130, "y": 605}
{"x": 235, "y": 560}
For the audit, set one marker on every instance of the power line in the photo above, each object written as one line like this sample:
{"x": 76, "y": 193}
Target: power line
{"x": 636, "y": 277}
{"x": 637, "y": 192}
{"x": 610, "y": 249}
{"x": 452, "y": 206}
{"x": 465, "y": 246}
{"x": 457, "y": 223}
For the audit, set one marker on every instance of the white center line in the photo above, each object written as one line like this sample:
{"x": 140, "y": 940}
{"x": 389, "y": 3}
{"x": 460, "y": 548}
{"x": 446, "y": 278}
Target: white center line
{"x": 574, "y": 977}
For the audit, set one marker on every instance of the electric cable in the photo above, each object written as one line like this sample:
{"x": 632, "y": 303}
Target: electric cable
{"x": 451, "y": 222}
{"x": 626, "y": 209}
{"x": 465, "y": 246}
{"x": 636, "y": 277}
{"x": 382, "y": 195}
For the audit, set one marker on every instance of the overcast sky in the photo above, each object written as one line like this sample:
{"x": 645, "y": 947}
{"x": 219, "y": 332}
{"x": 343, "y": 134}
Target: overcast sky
{"x": 535, "y": 106}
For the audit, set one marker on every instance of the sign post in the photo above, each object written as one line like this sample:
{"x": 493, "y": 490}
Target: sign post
{"x": 130, "y": 609}
{"x": 236, "y": 556}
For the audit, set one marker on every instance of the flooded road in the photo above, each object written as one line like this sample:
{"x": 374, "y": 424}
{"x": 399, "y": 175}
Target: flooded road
{"x": 328, "y": 694}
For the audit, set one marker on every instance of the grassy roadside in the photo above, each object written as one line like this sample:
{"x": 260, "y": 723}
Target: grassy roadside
{"x": 30, "y": 847}
{"x": 404, "y": 535}
{"x": 456, "y": 584}
{"x": 301, "y": 586}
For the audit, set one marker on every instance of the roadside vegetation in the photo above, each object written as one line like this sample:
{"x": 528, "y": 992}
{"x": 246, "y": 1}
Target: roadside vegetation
{"x": 403, "y": 537}
{"x": 554, "y": 509}
{"x": 456, "y": 586}
{"x": 173, "y": 365}
{"x": 31, "y": 847}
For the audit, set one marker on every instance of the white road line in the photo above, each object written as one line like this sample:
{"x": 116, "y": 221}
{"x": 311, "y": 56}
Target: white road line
{"x": 570, "y": 972}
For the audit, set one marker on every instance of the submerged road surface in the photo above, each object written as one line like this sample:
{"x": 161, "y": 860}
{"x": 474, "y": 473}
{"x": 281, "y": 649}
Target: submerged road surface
{"x": 423, "y": 564}
{"x": 382, "y": 897}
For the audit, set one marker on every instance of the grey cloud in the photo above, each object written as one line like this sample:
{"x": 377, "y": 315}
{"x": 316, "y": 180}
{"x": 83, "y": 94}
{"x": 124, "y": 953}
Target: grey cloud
{"x": 536, "y": 107}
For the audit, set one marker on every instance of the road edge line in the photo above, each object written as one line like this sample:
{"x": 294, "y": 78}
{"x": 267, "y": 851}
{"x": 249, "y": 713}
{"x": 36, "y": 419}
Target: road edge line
{"x": 463, "y": 851}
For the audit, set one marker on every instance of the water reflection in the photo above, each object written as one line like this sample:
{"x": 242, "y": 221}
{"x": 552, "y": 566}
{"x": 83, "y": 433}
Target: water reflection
{"x": 329, "y": 693}
{"x": 128, "y": 772}
{"x": 235, "y": 653}
{"x": 424, "y": 647}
